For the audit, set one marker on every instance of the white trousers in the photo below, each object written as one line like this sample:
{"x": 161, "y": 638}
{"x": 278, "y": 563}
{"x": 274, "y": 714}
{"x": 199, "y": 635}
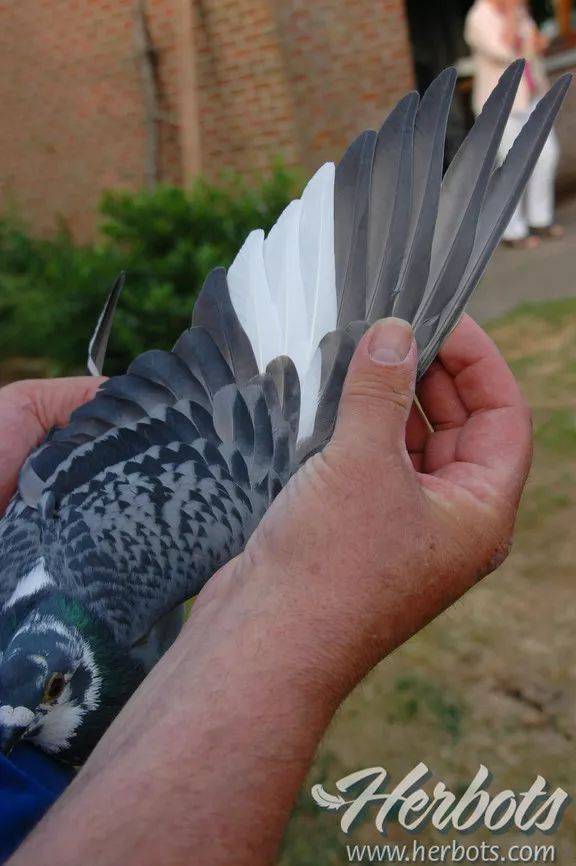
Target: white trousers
{"x": 536, "y": 207}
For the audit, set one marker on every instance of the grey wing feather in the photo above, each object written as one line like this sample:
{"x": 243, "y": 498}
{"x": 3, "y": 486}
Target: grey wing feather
{"x": 171, "y": 373}
{"x": 428, "y": 239}
{"x": 287, "y": 386}
{"x": 351, "y": 201}
{"x": 336, "y": 349}
{"x": 99, "y": 342}
{"x": 461, "y": 199}
{"x": 201, "y": 354}
{"x": 150, "y": 530}
{"x": 429, "y": 142}
{"x": 214, "y": 311}
{"x": 504, "y": 190}
{"x": 390, "y": 204}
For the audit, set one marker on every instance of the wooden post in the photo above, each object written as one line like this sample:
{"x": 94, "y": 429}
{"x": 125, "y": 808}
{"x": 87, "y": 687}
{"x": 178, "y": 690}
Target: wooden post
{"x": 190, "y": 140}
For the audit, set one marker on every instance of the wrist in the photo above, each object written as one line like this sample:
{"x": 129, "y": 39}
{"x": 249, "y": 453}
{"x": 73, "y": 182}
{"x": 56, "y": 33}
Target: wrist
{"x": 303, "y": 631}
{"x": 256, "y": 614}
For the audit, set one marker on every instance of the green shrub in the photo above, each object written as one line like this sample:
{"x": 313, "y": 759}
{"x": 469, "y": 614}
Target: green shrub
{"x": 50, "y": 295}
{"x": 167, "y": 240}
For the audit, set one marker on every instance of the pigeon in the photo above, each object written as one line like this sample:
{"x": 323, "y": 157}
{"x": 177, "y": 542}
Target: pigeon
{"x": 156, "y": 483}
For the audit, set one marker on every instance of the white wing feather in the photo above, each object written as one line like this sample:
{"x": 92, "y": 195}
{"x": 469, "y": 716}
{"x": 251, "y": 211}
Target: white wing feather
{"x": 284, "y": 289}
{"x": 309, "y": 392}
{"x": 250, "y": 295}
{"x": 281, "y": 254}
{"x": 317, "y": 253}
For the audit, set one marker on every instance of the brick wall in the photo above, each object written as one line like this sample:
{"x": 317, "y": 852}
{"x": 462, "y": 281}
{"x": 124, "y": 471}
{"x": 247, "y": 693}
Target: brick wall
{"x": 288, "y": 77}
{"x": 295, "y": 77}
{"x": 71, "y": 118}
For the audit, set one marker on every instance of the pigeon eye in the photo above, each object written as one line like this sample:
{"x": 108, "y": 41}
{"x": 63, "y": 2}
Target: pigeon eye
{"x": 54, "y": 688}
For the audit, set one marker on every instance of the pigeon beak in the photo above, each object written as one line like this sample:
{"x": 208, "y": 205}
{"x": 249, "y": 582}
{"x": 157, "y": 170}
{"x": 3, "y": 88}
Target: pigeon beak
{"x": 10, "y": 736}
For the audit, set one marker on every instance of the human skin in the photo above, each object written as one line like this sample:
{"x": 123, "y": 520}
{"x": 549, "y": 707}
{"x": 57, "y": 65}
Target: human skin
{"x": 370, "y": 540}
{"x": 28, "y": 410}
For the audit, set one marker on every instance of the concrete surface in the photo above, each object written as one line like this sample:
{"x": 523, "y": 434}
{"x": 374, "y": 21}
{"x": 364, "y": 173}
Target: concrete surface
{"x": 516, "y": 276}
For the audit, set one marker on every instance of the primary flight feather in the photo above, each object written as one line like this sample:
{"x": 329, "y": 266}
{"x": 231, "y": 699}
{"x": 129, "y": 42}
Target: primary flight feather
{"x": 157, "y": 482}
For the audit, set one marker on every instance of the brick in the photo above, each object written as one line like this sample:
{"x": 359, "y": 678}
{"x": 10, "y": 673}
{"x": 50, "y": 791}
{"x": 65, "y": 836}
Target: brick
{"x": 286, "y": 77}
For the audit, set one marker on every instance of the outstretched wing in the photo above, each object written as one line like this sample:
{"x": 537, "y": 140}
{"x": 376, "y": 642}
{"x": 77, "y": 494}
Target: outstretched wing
{"x": 136, "y": 517}
{"x": 164, "y": 475}
{"x": 384, "y": 234}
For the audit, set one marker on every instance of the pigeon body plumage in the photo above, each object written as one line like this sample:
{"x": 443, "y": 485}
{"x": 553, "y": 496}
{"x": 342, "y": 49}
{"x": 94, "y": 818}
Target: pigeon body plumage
{"x": 161, "y": 479}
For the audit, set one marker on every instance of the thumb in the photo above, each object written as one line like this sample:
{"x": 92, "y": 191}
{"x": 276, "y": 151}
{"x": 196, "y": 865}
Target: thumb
{"x": 379, "y": 388}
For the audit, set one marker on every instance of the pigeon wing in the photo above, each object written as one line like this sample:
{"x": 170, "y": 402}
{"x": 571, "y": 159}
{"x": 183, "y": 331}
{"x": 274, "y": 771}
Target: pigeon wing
{"x": 133, "y": 521}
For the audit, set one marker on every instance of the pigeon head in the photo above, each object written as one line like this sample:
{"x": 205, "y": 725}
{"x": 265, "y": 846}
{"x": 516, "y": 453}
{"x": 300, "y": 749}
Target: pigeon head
{"x": 62, "y": 681}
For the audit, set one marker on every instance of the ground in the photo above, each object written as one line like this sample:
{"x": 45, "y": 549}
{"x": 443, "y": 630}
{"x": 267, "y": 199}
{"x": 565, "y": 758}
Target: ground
{"x": 493, "y": 680}
{"x": 515, "y": 277}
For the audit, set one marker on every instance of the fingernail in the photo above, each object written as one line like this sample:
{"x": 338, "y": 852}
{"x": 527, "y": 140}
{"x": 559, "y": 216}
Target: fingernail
{"x": 391, "y": 341}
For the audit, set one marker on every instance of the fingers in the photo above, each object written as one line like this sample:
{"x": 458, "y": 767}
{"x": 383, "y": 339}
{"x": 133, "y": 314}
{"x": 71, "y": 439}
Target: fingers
{"x": 440, "y": 398}
{"x": 478, "y": 412}
{"x": 481, "y": 376}
{"x": 28, "y": 410}
{"x": 379, "y": 389}
{"x": 50, "y": 402}
{"x": 498, "y": 433}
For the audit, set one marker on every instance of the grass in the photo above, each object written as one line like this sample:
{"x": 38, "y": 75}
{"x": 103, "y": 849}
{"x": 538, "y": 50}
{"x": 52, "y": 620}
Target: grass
{"x": 494, "y": 679}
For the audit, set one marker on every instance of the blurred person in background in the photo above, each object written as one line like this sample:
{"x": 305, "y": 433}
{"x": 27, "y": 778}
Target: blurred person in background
{"x": 498, "y": 32}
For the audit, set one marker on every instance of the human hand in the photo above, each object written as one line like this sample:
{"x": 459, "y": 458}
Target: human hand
{"x": 28, "y": 410}
{"x": 390, "y": 524}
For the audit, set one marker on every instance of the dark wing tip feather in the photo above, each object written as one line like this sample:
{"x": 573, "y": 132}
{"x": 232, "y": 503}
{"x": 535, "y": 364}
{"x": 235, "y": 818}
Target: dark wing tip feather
{"x": 429, "y": 149}
{"x": 351, "y": 198}
{"x": 462, "y": 197}
{"x": 99, "y": 342}
{"x": 390, "y": 205}
{"x": 504, "y": 190}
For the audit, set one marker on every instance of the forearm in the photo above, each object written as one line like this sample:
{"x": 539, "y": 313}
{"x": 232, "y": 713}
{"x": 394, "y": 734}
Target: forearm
{"x": 210, "y": 753}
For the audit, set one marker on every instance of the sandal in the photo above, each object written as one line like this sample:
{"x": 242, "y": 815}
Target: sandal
{"x": 530, "y": 242}
{"x": 554, "y": 232}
